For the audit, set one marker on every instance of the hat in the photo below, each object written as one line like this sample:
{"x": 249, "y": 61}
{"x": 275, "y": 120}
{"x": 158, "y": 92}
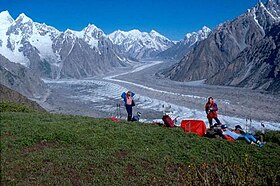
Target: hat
{"x": 238, "y": 127}
{"x": 223, "y": 126}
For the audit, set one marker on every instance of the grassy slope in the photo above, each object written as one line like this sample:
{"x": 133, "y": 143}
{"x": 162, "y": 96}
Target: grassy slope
{"x": 43, "y": 149}
{"x": 8, "y": 95}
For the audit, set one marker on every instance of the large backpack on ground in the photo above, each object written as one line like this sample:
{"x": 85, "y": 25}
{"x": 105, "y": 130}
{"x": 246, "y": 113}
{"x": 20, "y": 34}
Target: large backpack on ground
{"x": 168, "y": 122}
{"x": 194, "y": 126}
{"x": 215, "y": 132}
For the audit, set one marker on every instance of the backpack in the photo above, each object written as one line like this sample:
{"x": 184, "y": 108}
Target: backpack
{"x": 168, "y": 122}
{"x": 135, "y": 118}
{"x": 214, "y": 133}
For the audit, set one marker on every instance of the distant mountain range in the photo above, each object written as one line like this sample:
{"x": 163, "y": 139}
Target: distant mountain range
{"x": 78, "y": 54}
{"x": 181, "y": 48}
{"x": 244, "y": 41}
{"x": 41, "y": 51}
{"x": 54, "y": 54}
{"x": 243, "y": 52}
{"x": 139, "y": 45}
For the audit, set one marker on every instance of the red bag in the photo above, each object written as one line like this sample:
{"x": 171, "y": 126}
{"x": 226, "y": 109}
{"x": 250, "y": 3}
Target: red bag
{"x": 168, "y": 121}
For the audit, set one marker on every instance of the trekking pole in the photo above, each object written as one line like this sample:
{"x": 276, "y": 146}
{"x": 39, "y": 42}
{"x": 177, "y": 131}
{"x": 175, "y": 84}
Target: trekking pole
{"x": 114, "y": 113}
{"x": 250, "y": 125}
{"x": 262, "y": 132}
{"x": 120, "y": 113}
{"x": 120, "y": 110}
{"x": 117, "y": 115}
{"x": 246, "y": 129}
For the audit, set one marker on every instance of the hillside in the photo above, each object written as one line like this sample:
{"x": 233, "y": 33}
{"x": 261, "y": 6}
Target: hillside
{"x": 9, "y": 95}
{"x": 21, "y": 79}
{"x": 224, "y": 46}
{"x": 48, "y": 149}
{"x": 256, "y": 67}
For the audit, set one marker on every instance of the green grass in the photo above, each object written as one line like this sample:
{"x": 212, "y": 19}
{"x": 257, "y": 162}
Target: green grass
{"x": 51, "y": 149}
{"x": 7, "y": 106}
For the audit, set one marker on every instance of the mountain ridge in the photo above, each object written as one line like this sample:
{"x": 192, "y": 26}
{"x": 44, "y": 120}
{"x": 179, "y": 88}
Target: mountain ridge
{"x": 225, "y": 43}
{"x": 139, "y": 45}
{"x": 257, "y": 67}
{"x": 21, "y": 79}
{"x": 182, "y": 47}
{"x": 36, "y": 45}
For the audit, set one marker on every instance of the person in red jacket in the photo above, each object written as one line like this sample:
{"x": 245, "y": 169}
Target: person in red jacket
{"x": 211, "y": 109}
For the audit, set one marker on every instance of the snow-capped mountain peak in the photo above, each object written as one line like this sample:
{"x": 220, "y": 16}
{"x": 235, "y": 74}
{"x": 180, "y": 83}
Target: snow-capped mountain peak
{"x": 91, "y": 27}
{"x": 154, "y": 34}
{"x": 133, "y": 33}
{"x": 206, "y": 29}
{"x": 22, "y": 18}
{"x": 193, "y": 37}
{"x": 93, "y": 31}
{"x": 69, "y": 31}
{"x": 90, "y": 34}
{"x": 137, "y": 44}
{"x": 55, "y": 54}
{"x": 204, "y": 32}
{"x": 182, "y": 47}
{"x": 264, "y": 15}
{"x": 273, "y": 8}
{"x": 5, "y": 18}
{"x": 44, "y": 29}
{"x": 72, "y": 35}
{"x": 260, "y": 4}
{"x": 118, "y": 36}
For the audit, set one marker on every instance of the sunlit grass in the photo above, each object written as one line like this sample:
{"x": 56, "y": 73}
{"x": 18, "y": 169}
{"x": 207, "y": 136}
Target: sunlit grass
{"x": 51, "y": 149}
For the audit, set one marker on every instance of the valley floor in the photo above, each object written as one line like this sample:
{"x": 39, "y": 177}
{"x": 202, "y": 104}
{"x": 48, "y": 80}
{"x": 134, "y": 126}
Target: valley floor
{"x": 99, "y": 96}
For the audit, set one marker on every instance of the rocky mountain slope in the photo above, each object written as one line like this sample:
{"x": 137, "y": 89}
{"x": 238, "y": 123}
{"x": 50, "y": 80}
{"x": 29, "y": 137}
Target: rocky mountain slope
{"x": 255, "y": 67}
{"x": 55, "y": 54}
{"x": 21, "y": 79}
{"x": 9, "y": 95}
{"x": 225, "y": 43}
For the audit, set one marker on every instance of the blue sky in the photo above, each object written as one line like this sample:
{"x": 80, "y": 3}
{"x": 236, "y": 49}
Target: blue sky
{"x": 172, "y": 18}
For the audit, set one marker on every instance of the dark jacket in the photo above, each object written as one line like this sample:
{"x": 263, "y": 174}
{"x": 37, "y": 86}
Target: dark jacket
{"x": 124, "y": 96}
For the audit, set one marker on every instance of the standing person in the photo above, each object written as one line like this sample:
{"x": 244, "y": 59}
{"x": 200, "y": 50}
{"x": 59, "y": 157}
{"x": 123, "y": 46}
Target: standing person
{"x": 211, "y": 109}
{"x": 129, "y": 103}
